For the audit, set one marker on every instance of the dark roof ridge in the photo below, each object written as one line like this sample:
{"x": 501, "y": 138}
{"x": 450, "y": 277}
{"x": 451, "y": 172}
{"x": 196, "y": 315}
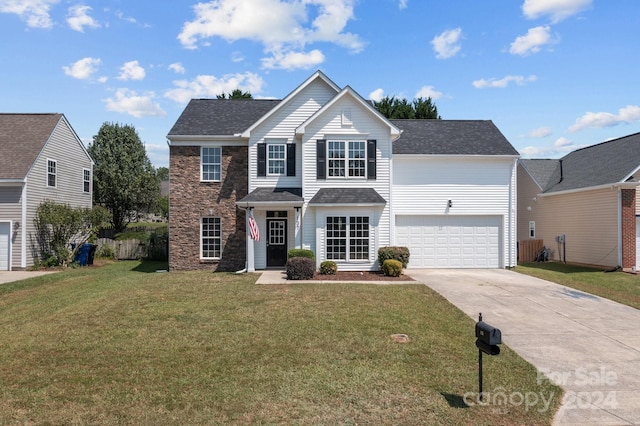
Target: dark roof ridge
{"x": 602, "y": 143}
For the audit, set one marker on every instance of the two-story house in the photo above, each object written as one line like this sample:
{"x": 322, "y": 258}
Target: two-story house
{"x": 41, "y": 158}
{"x": 322, "y": 169}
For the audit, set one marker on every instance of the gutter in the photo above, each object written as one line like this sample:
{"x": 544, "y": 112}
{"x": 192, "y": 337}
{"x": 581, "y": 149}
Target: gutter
{"x": 619, "y": 185}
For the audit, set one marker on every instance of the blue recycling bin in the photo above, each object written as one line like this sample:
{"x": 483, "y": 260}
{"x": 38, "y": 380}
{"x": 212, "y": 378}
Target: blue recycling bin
{"x": 82, "y": 255}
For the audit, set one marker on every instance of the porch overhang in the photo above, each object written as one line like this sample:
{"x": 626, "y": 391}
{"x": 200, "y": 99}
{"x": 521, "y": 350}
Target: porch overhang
{"x": 269, "y": 197}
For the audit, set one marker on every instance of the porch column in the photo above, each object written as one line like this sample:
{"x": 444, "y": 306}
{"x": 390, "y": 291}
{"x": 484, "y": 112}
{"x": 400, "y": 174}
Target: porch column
{"x": 298, "y": 225}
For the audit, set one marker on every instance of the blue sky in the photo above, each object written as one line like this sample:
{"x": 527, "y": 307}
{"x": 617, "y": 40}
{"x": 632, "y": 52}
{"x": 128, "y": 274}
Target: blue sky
{"x": 553, "y": 75}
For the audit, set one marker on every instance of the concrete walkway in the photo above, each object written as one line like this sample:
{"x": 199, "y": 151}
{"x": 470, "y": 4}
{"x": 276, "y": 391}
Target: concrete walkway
{"x": 588, "y": 345}
{"x": 10, "y": 276}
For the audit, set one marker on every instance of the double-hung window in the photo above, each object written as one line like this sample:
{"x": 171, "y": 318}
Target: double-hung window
{"x": 210, "y": 237}
{"x": 52, "y": 172}
{"x": 276, "y": 159}
{"x": 347, "y": 238}
{"x": 211, "y": 164}
{"x": 86, "y": 180}
{"x": 347, "y": 158}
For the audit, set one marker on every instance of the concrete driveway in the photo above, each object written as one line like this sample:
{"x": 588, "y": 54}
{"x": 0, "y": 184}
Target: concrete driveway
{"x": 588, "y": 345}
{"x": 10, "y": 276}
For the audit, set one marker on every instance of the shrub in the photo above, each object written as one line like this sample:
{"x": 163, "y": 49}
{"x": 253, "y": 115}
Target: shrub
{"x": 328, "y": 267}
{"x": 300, "y": 268}
{"x": 309, "y": 254}
{"x": 392, "y": 268}
{"x": 105, "y": 251}
{"x": 401, "y": 254}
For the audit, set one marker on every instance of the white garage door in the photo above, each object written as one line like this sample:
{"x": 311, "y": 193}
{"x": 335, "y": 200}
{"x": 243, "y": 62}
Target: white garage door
{"x": 450, "y": 241}
{"x": 5, "y": 232}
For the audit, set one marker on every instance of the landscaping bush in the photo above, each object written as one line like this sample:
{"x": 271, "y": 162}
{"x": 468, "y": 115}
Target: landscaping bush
{"x": 392, "y": 268}
{"x": 105, "y": 251}
{"x": 309, "y": 254}
{"x": 401, "y": 254}
{"x": 300, "y": 268}
{"x": 328, "y": 267}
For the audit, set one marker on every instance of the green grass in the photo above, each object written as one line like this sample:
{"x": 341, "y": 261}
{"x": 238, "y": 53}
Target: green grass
{"x": 123, "y": 344}
{"x": 617, "y": 286}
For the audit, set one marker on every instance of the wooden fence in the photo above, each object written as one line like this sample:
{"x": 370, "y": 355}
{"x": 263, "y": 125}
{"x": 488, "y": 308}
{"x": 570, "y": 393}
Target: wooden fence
{"x": 528, "y": 250}
{"x": 136, "y": 249}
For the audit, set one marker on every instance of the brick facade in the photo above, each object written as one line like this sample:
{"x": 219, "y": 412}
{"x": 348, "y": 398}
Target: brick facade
{"x": 190, "y": 200}
{"x": 628, "y": 228}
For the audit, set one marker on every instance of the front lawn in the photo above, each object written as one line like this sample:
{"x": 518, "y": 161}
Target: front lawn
{"x": 123, "y": 344}
{"x": 617, "y": 286}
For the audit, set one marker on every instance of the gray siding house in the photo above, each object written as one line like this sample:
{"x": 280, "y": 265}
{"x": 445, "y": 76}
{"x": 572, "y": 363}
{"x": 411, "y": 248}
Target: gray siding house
{"x": 41, "y": 158}
{"x": 323, "y": 170}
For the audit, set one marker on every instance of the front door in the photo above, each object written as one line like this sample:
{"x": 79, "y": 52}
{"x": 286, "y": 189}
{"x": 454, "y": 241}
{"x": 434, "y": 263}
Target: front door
{"x": 276, "y": 242}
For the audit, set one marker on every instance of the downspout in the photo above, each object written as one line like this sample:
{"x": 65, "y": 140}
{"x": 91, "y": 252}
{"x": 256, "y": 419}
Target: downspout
{"x": 561, "y": 172}
{"x": 620, "y": 227}
{"x": 244, "y": 270}
{"x": 23, "y": 231}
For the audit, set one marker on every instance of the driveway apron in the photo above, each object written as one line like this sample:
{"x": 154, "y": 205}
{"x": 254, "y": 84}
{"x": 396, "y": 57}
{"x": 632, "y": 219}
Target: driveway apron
{"x": 588, "y": 345}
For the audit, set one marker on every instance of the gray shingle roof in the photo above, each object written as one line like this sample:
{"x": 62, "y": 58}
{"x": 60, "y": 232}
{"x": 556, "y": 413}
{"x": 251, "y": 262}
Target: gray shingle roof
{"x": 545, "y": 172}
{"x": 451, "y": 137}
{"x": 601, "y": 164}
{"x": 345, "y": 196}
{"x": 22, "y": 137}
{"x": 273, "y": 195}
{"x": 220, "y": 116}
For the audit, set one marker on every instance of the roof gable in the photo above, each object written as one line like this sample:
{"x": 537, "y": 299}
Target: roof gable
{"x": 545, "y": 173}
{"x": 451, "y": 137}
{"x": 22, "y": 138}
{"x": 317, "y": 76}
{"x": 348, "y": 91}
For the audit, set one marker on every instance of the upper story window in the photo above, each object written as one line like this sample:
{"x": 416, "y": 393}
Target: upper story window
{"x": 276, "y": 159}
{"x": 52, "y": 172}
{"x": 211, "y": 164}
{"x": 346, "y": 159}
{"x": 86, "y": 180}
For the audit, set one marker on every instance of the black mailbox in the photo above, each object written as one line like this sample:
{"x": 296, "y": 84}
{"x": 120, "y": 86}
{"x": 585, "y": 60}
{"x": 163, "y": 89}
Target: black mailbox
{"x": 488, "y": 337}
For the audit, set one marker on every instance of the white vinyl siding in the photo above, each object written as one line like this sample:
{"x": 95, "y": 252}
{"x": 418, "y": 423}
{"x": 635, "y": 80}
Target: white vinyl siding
{"x": 478, "y": 186}
{"x": 5, "y": 246}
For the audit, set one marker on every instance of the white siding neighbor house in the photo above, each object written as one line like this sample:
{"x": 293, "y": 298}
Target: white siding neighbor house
{"x": 41, "y": 158}
{"x": 326, "y": 171}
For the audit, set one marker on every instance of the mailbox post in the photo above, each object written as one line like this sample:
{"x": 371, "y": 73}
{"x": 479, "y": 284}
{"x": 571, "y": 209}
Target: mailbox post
{"x": 487, "y": 340}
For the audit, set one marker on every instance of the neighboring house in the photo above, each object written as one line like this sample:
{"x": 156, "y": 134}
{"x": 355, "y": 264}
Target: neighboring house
{"x": 324, "y": 170}
{"x": 584, "y": 206}
{"x": 41, "y": 158}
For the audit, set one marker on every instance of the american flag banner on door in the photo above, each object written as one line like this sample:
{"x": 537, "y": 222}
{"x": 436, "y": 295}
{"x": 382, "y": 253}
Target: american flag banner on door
{"x": 254, "y": 232}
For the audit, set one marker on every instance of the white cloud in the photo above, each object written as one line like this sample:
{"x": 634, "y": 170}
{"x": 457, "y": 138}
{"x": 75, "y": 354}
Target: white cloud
{"x": 35, "y": 12}
{"x": 83, "y": 68}
{"x": 446, "y": 45}
{"x": 540, "y": 132}
{"x": 532, "y": 41}
{"x": 557, "y": 10}
{"x": 177, "y": 68}
{"x": 428, "y": 92}
{"x": 504, "y": 81}
{"x": 283, "y": 27}
{"x": 560, "y": 147}
{"x": 376, "y": 95}
{"x": 628, "y": 114}
{"x": 293, "y": 60}
{"x": 402, "y": 4}
{"x": 209, "y": 86}
{"x": 79, "y": 18}
{"x": 131, "y": 71}
{"x": 237, "y": 56}
{"x": 129, "y": 102}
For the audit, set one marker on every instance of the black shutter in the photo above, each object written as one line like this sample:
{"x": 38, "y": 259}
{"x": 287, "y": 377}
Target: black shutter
{"x": 321, "y": 159}
{"x": 371, "y": 159}
{"x": 291, "y": 159}
{"x": 262, "y": 159}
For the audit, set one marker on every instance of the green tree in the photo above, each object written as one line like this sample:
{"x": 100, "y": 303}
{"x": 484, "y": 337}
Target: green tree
{"x": 124, "y": 181}
{"x": 236, "y": 94}
{"x": 162, "y": 173}
{"x": 395, "y": 108}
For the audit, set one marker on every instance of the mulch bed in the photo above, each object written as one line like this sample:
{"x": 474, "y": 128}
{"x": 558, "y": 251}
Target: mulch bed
{"x": 359, "y": 276}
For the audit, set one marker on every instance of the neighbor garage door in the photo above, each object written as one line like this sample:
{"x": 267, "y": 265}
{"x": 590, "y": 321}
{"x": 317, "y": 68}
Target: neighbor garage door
{"x": 450, "y": 241}
{"x": 5, "y": 232}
